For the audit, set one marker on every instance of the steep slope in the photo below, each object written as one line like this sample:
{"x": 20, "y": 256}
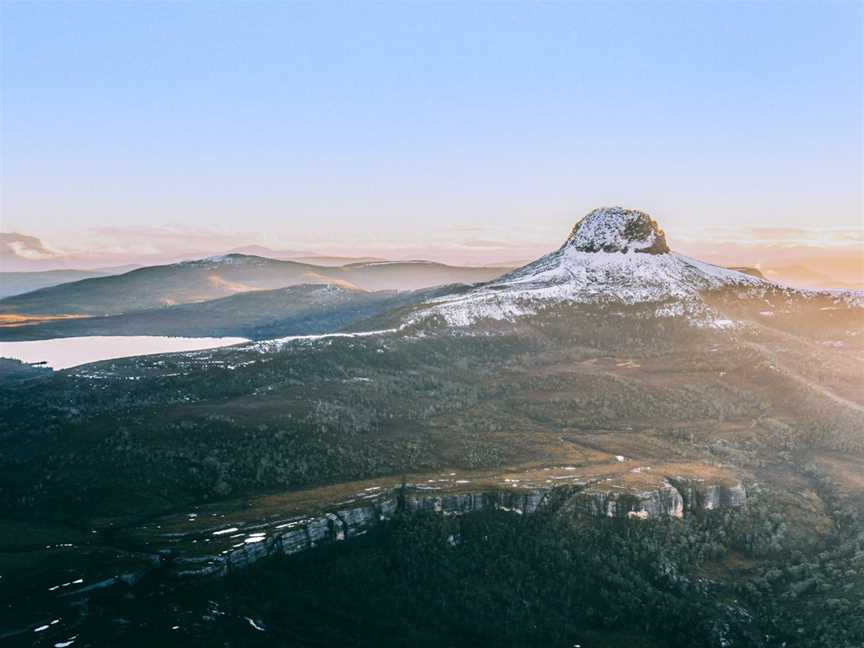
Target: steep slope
{"x": 613, "y": 255}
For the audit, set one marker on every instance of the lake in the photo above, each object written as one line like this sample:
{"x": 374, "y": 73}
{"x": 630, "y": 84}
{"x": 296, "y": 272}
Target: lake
{"x": 62, "y": 353}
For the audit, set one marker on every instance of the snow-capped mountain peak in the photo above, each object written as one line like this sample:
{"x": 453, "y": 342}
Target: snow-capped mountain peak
{"x": 615, "y": 229}
{"x": 613, "y": 255}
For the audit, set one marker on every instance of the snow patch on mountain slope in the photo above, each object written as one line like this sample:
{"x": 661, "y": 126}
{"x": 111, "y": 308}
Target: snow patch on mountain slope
{"x": 570, "y": 275}
{"x": 226, "y": 260}
{"x": 268, "y": 346}
{"x": 850, "y": 298}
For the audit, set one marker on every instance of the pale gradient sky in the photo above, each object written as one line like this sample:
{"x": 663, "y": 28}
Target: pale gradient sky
{"x": 363, "y": 125}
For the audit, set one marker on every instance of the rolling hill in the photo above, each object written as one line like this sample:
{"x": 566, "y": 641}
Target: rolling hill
{"x": 18, "y": 283}
{"x": 259, "y": 314}
{"x": 213, "y": 278}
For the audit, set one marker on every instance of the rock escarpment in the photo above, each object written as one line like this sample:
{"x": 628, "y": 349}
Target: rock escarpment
{"x": 291, "y": 536}
{"x": 660, "y": 502}
{"x": 698, "y": 496}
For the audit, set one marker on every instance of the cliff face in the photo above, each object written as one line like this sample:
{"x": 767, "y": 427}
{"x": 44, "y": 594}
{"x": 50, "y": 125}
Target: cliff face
{"x": 673, "y": 498}
{"x": 660, "y": 502}
{"x": 299, "y": 534}
{"x": 699, "y": 496}
{"x": 460, "y": 503}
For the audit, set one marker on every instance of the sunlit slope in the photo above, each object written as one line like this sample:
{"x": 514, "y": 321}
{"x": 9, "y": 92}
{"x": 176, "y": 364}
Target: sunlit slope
{"x": 260, "y": 314}
{"x": 217, "y": 277}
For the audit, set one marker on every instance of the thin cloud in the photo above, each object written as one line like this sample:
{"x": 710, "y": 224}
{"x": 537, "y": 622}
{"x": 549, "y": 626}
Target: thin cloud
{"x": 167, "y": 239}
{"x": 777, "y": 233}
{"x": 777, "y": 236}
{"x": 23, "y": 246}
{"x": 501, "y": 245}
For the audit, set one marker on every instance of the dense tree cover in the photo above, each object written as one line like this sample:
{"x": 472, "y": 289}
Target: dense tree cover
{"x": 157, "y": 432}
{"x": 727, "y": 578}
{"x": 15, "y": 371}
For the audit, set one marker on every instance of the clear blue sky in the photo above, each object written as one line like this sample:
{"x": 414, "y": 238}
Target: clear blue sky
{"x": 397, "y": 121}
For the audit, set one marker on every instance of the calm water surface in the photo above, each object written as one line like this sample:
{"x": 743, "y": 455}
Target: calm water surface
{"x": 62, "y": 353}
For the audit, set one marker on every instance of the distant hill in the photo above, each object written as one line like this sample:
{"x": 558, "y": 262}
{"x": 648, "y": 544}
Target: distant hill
{"x": 18, "y": 283}
{"x": 337, "y": 260}
{"x": 263, "y": 251}
{"x": 261, "y": 314}
{"x": 301, "y": 256}
{"x": 847, "y": 274}
{"x": 216, "y": 277}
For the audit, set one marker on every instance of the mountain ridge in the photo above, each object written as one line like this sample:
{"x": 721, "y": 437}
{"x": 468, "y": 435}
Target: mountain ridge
{"x": 220, "y": 276}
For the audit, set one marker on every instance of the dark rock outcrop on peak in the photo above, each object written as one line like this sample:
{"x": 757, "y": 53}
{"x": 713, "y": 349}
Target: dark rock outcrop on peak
{"x": 616, "y": 229}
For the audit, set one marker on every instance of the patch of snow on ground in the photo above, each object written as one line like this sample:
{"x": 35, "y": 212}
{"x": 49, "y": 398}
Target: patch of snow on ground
{"x": 278, "y": 343}
{"x": 254, "y": 625}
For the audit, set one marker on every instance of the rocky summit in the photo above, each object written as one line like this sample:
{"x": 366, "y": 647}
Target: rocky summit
{"x": 616, "y": 229}
{"x": 613, "y": 255}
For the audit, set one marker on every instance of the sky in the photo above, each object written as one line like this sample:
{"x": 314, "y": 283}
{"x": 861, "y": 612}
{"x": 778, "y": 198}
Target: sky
{"x": 462, "y": 130}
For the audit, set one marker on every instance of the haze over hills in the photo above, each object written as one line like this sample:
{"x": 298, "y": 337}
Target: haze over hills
{"x": 20, "y": 253}
{"x": 301, "y": 256}
{"x": 798, "y": 265}
{"x": 840, "y": 271}
{"x": 803, "y": 266}
{"x": 259, "y": 314}
{"x": 216, "y": 277}
{"x": 18, "y": 283}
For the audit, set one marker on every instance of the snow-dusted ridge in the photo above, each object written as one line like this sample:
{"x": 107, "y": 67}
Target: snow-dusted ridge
{"x": 612, "y": 255}
{"x": 226, "y": 259}
{"x": 279, "y": 343}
